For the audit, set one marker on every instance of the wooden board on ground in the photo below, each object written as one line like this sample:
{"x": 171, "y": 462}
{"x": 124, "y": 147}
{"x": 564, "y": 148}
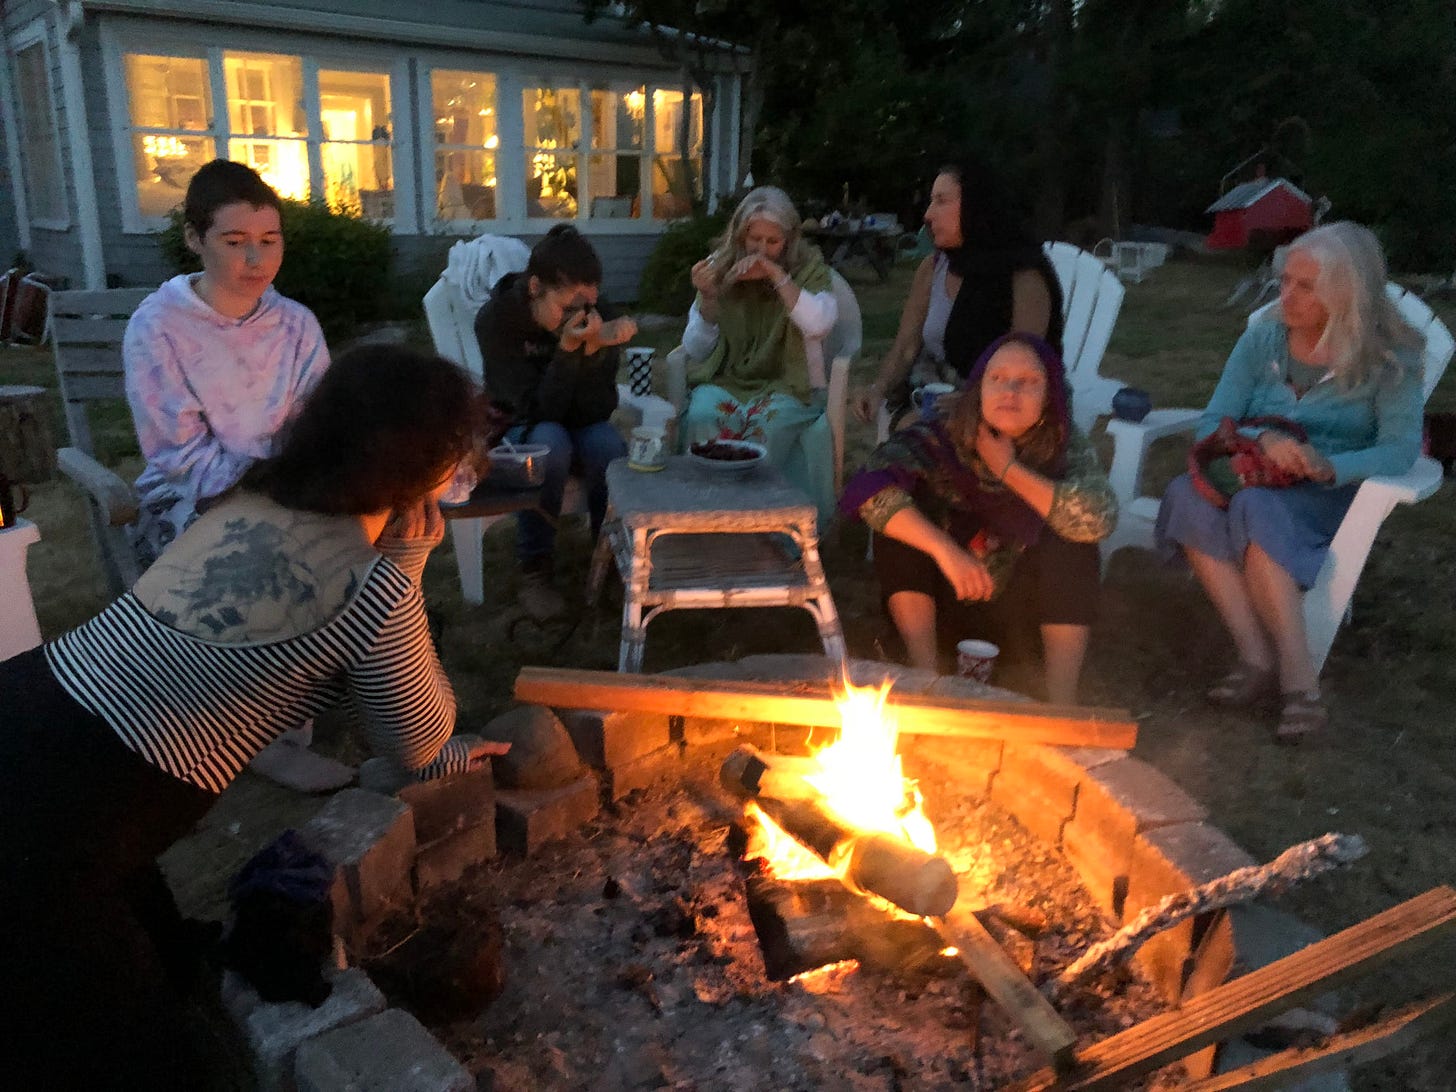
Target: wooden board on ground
{"x": 814, "y": 703}
{"x": 1009, "y": 988}
{"x": 1378, "y": 1039}
{"x": 1246, "y": 1002}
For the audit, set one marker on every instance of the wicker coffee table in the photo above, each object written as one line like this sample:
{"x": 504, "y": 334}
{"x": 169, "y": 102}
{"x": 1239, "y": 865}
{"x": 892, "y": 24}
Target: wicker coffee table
{"x": 690, "y": 538}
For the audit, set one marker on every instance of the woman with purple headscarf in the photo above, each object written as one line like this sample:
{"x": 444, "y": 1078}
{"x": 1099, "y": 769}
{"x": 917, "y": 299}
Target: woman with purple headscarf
{"x": 987, "y": 516}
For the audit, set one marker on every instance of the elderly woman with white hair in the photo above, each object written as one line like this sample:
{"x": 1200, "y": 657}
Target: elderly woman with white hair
{"x": 763, "y": 295}
{"x": 1336, "y": 359}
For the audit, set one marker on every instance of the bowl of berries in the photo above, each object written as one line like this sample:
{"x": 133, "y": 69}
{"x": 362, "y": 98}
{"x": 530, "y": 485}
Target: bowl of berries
{"x": 727, "y": 456}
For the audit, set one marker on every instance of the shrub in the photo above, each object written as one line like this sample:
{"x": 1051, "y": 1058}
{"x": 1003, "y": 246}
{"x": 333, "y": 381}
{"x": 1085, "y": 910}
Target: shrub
{"x": 334, "y": 263}
{"x": 665, "y": 286}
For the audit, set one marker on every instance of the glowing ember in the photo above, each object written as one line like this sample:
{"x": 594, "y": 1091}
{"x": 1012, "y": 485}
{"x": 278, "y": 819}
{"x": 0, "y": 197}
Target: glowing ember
{"x": 860, "y": 776}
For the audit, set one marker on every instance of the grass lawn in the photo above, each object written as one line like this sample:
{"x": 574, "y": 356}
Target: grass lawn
{"x": 1385, "y": 770}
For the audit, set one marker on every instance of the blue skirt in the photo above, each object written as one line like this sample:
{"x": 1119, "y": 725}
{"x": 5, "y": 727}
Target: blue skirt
{"x": 1294, "y": 525}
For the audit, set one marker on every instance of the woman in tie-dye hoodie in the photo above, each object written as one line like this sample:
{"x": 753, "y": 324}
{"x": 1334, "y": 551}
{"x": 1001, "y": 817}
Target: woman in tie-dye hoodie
{"x": 215, "y": 361}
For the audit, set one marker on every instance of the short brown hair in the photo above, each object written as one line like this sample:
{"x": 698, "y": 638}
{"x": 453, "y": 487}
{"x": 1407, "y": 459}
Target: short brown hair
{"x": 224, "y": 182}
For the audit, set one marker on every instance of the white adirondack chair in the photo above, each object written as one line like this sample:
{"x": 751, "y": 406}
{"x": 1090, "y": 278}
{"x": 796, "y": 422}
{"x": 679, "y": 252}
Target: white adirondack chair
{"x": 1091, "y": 299}
{"x": 839, "y": 347}
{"x": 1327, "y": 603}
{"x": 451, "y": 320}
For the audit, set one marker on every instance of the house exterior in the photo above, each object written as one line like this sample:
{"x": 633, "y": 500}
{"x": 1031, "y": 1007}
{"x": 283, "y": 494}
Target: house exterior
{"x": 1274, "y": 206}
{"x": 444, "y": 120}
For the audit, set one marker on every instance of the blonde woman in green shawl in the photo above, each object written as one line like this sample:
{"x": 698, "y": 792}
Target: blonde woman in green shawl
{"x": 754, "y": 343}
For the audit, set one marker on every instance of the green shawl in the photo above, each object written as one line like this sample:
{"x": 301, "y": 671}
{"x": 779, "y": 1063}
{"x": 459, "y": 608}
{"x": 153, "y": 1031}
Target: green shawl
{"x": 759, "y": 350}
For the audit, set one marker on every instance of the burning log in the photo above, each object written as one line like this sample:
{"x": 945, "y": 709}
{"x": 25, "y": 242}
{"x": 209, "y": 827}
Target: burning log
{"x": 918, "y": 882}
{"x": 806, "y": 924}
{"x": 814, "y": 703}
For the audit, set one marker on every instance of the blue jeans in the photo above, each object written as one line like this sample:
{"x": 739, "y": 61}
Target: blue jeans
{"x": 587, "y": 451}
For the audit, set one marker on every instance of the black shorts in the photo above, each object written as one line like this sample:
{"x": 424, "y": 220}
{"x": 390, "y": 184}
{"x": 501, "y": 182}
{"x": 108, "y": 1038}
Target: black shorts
{"x": 1054, "y": 582}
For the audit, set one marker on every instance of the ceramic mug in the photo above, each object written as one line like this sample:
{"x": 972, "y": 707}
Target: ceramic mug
{"x": 647, "y": 449}
{"x": 976, "y": 659}
{"x": 924, "y": 398}
{"x": 10, "y": 508}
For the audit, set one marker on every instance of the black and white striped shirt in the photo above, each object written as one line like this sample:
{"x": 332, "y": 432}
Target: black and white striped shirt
{"x": 201, "y": 710}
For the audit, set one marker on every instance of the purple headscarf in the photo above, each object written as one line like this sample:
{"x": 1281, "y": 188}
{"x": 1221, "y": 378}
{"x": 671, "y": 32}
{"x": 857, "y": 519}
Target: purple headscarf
{"x": 925, "y": 450}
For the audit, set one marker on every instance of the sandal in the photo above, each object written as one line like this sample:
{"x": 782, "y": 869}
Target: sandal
{"x": 1244, "y": 686}
{"x": 1304, "y": 714}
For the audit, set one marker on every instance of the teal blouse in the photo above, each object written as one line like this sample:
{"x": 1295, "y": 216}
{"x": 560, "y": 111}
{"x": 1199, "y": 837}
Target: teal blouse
{"x": 1372, "y": 429}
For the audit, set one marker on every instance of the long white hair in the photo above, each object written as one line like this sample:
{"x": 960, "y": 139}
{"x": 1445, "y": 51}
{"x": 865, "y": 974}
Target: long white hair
{"x": 763, "y": 203}
{"x": 1365, "y": 329}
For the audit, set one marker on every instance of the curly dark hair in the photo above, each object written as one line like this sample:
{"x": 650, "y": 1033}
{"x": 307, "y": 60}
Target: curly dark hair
{"x": 382, "y": 428}
{"x": 224, "y": 182}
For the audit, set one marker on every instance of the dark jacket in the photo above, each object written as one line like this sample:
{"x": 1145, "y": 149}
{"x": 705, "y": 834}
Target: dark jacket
{"x": 528, "y": 375}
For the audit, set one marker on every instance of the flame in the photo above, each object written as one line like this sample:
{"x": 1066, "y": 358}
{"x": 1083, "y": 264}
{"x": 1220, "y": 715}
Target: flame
{"x": 860, "y": 776}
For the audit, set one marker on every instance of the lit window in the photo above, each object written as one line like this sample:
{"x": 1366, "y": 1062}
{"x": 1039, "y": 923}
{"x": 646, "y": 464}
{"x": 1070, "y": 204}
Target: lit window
{"x": 465, "y": 145}
{"x": 266, "y": 121}
{"x": 614, "y": 168}
{"x": 677, "y": 174}
{"x": 45, "y": 185}
{"x": 553, "y": 143}
{"x": 171, "y": 127}
{"x": 358, "y": 171}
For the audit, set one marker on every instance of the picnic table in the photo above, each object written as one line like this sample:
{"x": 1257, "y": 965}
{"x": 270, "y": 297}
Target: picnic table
{"x": 845, "y": 242}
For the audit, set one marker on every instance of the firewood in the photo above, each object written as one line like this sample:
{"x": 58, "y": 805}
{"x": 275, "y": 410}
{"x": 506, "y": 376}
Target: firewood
{"x": 1248, "y": 1001}
{"x": 1297, "y": 863}
{"x": 806, "y": 924}
{"x": 918, "y": 882}
{"x": 1382, "y": 1037}
{"x": 1009, "y": 988}
{"x": 813, "y": 703}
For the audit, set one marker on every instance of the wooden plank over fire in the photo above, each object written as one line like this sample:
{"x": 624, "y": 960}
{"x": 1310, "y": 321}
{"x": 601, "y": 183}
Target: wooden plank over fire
{"x": 1246, "y": 1002}
{"x": 813, "y": 703}
{"x": 1378, "y": 1039}
{"x": 1008, "y": 987}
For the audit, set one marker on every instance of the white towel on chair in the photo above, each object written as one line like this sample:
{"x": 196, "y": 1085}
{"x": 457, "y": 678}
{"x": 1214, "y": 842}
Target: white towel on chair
{"x": 474, "y": 266}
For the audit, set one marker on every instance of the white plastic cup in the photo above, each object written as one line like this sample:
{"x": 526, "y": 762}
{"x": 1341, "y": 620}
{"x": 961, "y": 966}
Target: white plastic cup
{"x": 462, "y": 484}
{"x": 976, "y": 659}
{"x": 647, "y": 448}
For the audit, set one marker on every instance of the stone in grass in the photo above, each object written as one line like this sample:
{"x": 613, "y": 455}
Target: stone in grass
{"x": 391, "y": 1052}
{"x": 275, "y": 1031}
{"x": 542, "y": 755}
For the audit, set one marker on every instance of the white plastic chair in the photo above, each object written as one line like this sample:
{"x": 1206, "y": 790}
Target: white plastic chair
{"x": 1091, "y": 299}
{"x": 451, "y": 320}
{"x": 1327, "y": 603}
{"x": 839, "y": 347}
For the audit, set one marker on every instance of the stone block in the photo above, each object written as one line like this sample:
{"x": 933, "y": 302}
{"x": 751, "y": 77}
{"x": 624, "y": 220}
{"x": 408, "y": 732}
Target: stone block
{"x": 609, "y": 739}
{"x": 1119, "y": 798}
{"x": 1038, "y": 785}
{"x": 446, "y": 859}
{"x": 383, "y": 775}
{"x": 1166, "y": 861}
{"x": 370, "y": 840}
{"x": 390, "y": 1052}
{"x": 973, "y": 762}
{"x": 541, "y": 754}
{"x": 619, "y": 780}
{"x": 448, "y": 805}
{"x": 276, "y": 1031}
{"x": 790, "y": 667}
{"x": 527, "y": 819}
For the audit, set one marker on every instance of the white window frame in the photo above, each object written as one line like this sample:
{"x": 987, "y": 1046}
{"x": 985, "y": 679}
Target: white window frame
{"x": 148, "y": 39}
{"x": 34, "y": 34}
{"x": 512, "y": 78}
